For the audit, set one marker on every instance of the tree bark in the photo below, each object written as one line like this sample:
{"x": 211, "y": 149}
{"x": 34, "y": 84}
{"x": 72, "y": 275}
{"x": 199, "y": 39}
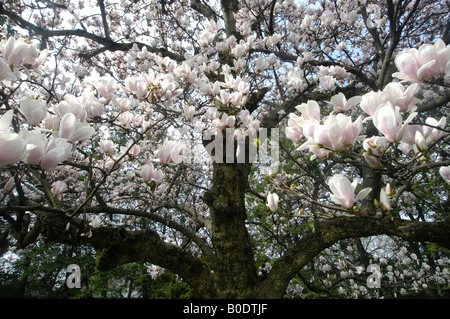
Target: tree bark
{"x": 236, "y": 270}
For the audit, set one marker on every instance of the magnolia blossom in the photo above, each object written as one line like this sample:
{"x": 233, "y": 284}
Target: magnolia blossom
{"x": 12, "y": 147}
{"x": 170, "y": 152}
{"x": 106, "y": 87}
{"x": 39, "y": 142}
{"x": 417, "y": 138}
{"x": 341, "y": 104}
{"x": 73, "y": 130}
{"x": 33, "y": 110}
{"x": 5, "y": 71}
{"x": 18, "y": 53}
{"x": 384, "y": 198}
{"x": 223, "y": 122}
{"x": 444, "y": 171}
{"x": 388, "y": 120}
{"x": 294, "y": 130}
{"x": 374, "y": 148}
{"x": 150, "y": 174}
{"x": 395, "y": 93}
{"x": 58, "y": 188}
{"x": 309, "y": 110}
{"x": 57, "y": 150}
{"x": 327, "y": 82}
{"x": 272, "y": 202}
{"x": 344, "y": 191}
{"x": 423, "y": 64}
{"x": 189, "y": 111}
{"x": 336, "y": 132}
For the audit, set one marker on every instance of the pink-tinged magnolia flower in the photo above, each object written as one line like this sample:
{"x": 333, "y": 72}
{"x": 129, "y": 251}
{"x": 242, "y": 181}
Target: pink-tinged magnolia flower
{"x": 73, "y": 130}
{"x": 58, "y": 188}
{"x": 12, "y": 147}
{"x": 388, "y": 120}
{"x": 189, "y": 111}
{"x": 272, "y": 202}
{"x": 430, "y": 60}
{"x": 33, "y": 110}
{"x": 224, "y": 122}
{"x": 294, "y": 130}
{"x": 344, "y": 191}
{"x": 170, "y": 152}
{"x": 384, "y": 199}
{"x": 444, "y": 171}
{"x": 150, "y": 174}
{"x": 71, "y": 106}
{"x": 39, "y": 140}
{"x": 309, "y": 110}
{"x": 327, "y": 82}
{"x": 9, "y": 185}
{"x": 106, "y": 87}
{"x": 341, "y": 104}
{"x": 395, "y": 93}
{"x": 107, "y": 146}
{"x": 5, "y": 71}
{"x": 18, "y": 53}
{"x": 57, "y": 151}
{"x": 336, "y": 132}
{"x": 374, "y": 148}
{"x": 295, "y": 79}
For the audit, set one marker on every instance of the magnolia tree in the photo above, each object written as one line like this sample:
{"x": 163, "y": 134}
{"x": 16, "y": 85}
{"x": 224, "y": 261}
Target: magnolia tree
{"x": 256, "y": 149}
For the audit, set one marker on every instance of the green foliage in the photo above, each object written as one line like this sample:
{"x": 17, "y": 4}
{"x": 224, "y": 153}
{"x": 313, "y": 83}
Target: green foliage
{"x": 41, "y": 273}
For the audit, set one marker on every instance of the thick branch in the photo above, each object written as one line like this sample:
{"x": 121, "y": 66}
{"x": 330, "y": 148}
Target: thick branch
{"x": 331, "y": 231}
{"x": 106, "y": 42}
{"x": 203, "y": 9}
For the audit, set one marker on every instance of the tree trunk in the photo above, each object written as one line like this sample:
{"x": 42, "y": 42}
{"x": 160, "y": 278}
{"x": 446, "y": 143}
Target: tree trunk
{"x": 235, "y": 269}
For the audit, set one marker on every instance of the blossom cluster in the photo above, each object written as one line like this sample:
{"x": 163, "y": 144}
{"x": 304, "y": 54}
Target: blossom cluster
{"x": 47, "y": 139}
{"x": 391, "y": 110}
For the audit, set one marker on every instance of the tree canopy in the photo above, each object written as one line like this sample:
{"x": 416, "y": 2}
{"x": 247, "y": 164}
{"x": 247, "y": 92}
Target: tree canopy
{"x": 237, "y": 149}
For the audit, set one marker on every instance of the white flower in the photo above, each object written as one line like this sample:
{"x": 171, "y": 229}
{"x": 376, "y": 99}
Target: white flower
{"x": 33, "y": 110}
{"x": 344, "y": 191}
{"x": 58, "y": 188}
{"x": 272, "y": 202}
{"x": 444, "y": 171}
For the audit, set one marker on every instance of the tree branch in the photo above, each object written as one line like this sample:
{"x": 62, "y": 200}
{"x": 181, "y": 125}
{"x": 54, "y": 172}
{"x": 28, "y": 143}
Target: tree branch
{"x": 330, "y": 231}
{"x": 106, "y": 42}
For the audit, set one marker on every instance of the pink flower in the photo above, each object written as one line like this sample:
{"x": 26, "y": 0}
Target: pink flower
{"x": 388, "y": 120}
{"x": 5, "y": 71}
{"x": 444, "y": 171}
{"x": 384, "y": 199}
{"x": 189, "y": 111}
{"x": 39, "y": 141}
{"x": 344, "y": 191}
{"x": 341, "y": 104}
{"x": 58, "y": 188}
{"x": 18, "y": 53}
{"x": 272, "y": 202}
{"x": 33, "y": 110}
{"x": 73, "y": 130}
{"x": 336, "y": 132}
{"x": 149, "y": 174}
{"x": 12, "y": 147}
{"x": 309, "y": 110}
{"x": 423, "y": 64}
{"x": 170, "y": 152}
{"x": 57, "y": 150}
